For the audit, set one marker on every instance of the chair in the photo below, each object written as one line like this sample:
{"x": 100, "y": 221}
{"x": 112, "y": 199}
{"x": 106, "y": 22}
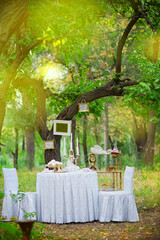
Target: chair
{"x": 119, "y": 206}
{"x": 9, "y": 207}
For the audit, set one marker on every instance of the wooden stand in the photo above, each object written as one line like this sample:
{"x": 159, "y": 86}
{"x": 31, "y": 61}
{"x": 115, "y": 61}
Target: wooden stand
{"x": 115, "y": 171}
{"x": 117, "y": 175}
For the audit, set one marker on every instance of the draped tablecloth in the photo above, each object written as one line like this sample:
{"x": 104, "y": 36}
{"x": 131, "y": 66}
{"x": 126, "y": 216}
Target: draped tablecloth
{"x": 67, "y": 197}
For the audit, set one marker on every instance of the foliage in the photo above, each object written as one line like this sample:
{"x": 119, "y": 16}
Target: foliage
{"x": 147, "y": 189}
{"x": 17, "y": 198}
{"x": 147, "y": 91}
{"x": 144, "y": 67}
{"x": 28, "y": 214}
{"x": 81, "y": 37}
{"x": 12, "y": 231}
{"x": 9, "y": 231}
{"x": 38, "y": 231}
{"x": 8, "y": 139}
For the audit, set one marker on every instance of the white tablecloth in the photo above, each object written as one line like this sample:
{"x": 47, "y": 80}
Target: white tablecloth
{"x": 67, "y": 197}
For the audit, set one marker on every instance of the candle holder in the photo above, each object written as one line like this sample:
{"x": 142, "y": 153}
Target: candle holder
{"x": 78, "y": 159}
{"x": 71, "y": 156}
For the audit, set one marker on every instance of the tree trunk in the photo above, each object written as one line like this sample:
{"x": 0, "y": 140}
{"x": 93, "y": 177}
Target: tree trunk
{"x": 145, "y": 139}
{"x": 149, "y": 148}
{"x": 23, "y": 143}
{"x": 98, "y": 139}
{"x": 10, "y": 75}
{"x": 140, "y": 133}
{"x": 16, "y": 150}
{"x": 106, "y": 135}
{"x": 73, "y": 135}
{"x": 85, "y": 140}
{"x": 30, "y": 147}
{"x": 4, "y": 89}
{"x": 53, "y": 153}
{"x": 111, "y": 142}
{"x": 141, "y": 137}
{"x": 41, "y": 116}
{"x": 78, "y": 157}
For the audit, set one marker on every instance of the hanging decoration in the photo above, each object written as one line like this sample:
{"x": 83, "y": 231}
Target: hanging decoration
{"x": 62, "y": 127}
{"x": 83, "y": 106}
{"x": 48, "y": 144}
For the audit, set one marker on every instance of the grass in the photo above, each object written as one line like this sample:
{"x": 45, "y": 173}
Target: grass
{"x": 147, "y": 188}
{"x": 9, "y": 231}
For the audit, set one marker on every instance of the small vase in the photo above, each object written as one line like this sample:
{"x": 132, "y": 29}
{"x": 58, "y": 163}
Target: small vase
{"x": 26, "y": 227}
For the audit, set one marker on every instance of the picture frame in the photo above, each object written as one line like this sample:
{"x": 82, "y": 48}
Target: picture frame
{"x": 83, "y": 107}
{"x": 48, "y": 144}
{"x": 62, "y": 127}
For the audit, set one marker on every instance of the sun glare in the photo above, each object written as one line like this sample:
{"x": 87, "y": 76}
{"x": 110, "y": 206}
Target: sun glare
{"x": 54, "y": 73}
{"x": 55, "y": 76}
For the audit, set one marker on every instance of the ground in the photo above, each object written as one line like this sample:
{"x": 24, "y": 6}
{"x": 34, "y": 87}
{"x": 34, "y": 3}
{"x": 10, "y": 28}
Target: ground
{"x": 147, "y": 228}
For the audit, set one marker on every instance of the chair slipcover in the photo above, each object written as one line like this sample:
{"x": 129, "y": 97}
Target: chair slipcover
{"x": 119, "y": 206}
{"x": 9, "y": 207}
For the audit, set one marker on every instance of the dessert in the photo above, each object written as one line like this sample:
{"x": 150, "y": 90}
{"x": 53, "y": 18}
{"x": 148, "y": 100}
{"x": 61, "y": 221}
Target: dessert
{"x": 54, "y": 165}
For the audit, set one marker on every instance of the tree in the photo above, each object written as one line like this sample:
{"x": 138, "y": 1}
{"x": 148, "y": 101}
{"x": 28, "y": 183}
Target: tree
{"x": 114, "y": 87}
{"x": 27, "y": 39}
{"x": 144, "y": 99}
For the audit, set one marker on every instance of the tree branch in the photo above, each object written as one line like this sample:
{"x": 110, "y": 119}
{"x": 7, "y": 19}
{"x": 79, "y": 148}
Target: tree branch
{"x": 12, "y": 15}
{"x": 110, "y": 89}
{"x": 134, "y": 5}
{"x": 123, "y": 40}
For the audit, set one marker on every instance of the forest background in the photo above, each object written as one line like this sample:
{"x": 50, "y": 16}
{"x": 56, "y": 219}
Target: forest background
{"x": 56, "y": 54}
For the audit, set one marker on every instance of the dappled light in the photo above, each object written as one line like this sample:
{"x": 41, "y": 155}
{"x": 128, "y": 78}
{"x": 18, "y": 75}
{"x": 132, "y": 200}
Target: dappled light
{"x": 54, "y": 74}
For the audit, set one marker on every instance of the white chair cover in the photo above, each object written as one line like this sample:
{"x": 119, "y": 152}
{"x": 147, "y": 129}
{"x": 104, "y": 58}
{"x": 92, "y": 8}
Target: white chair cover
{"x": 119, "y": 206}
{"x": 9, "y": 207}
